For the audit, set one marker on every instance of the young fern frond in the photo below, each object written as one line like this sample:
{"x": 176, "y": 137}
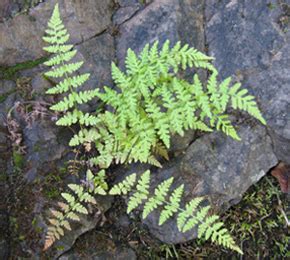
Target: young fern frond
{"x": 74, "y": 204}
{"x": 192, "y": 216}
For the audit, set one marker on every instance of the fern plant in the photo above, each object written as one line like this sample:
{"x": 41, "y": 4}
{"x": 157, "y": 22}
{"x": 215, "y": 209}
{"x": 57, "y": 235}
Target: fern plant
{"x": 191, "y": 216}
{"x": 151, "y": 104}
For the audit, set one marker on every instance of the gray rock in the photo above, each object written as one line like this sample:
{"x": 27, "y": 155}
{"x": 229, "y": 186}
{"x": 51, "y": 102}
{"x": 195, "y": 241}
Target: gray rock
{"x": 20, "y": 37}
{"x": 6, "y": 105}
{"x": 9, "y": 9}
{"x": 7, "y": 87}
{"x": 98, "y": 54}
{"x": 125, "y": 3}
{"x": 161, "y": 20}
{"x": 39, "y": 84}
{"x": 217, "y": 167}
{"x": 42, "y": 147}
{"x": 125, "y": 13}
{"x": 246, "y": 39}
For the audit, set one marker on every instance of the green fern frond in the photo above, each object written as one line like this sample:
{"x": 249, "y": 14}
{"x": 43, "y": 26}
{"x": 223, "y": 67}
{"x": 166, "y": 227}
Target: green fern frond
{"x": 240, "y": 100}
{"x": 223, "y": 95}
{"x": 78, "y": 116}
{"x": 224, "y": 124}
{"x": 153, "y": 103}
{"x": 190, "y": 207}
{"x": 75, "y": 98}
{"x": 132, "y": 63}
{"x": 56, "y": 49}
{"x": 64, "y": 86}
{"x": 62, "y": 67}
{"x": 119, "y": 77}
{"x": 97, "y": 183}
{"x": 62, "y": 57}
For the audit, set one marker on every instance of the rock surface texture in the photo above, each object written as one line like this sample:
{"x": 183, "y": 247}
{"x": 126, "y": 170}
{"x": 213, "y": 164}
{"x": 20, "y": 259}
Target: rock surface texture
{"x": 250, "y": 41}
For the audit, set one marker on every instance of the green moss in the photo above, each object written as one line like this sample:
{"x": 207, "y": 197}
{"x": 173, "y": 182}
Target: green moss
{"x": 52, "y": 193}
{"x": 271, "y": 6}
{"x": 3, "y": 177}
{"x": 63, "y": 170}
{"x": 10, "y": 72}
{"x": 53, "y": 182}
{"x": 5, "y": 95}
{"x": 18, "y": 160}
{"x": 37, "y": 148}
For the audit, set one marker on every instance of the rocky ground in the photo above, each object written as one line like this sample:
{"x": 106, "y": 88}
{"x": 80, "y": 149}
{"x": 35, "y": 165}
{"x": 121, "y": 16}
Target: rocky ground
{"x": 249, "y": 40}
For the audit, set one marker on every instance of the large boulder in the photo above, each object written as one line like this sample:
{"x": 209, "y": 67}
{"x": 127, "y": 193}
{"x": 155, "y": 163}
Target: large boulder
{"x": 250, "y": 39}
{"x": 241, "y": 36}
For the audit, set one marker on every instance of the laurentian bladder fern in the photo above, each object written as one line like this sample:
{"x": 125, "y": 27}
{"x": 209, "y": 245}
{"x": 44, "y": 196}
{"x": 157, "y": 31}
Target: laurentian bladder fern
{"x": 151, "y": 103}
{"x": 191, "y": 216}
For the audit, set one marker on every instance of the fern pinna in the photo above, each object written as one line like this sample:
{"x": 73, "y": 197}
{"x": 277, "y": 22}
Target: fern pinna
{"x": 62, "y": 53}
{"x": 191, "y": 216}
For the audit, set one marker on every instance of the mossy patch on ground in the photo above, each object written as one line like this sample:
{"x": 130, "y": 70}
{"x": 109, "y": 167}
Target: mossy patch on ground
{"x": 18, "y": 160}
{"x": 11, "y": 71}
